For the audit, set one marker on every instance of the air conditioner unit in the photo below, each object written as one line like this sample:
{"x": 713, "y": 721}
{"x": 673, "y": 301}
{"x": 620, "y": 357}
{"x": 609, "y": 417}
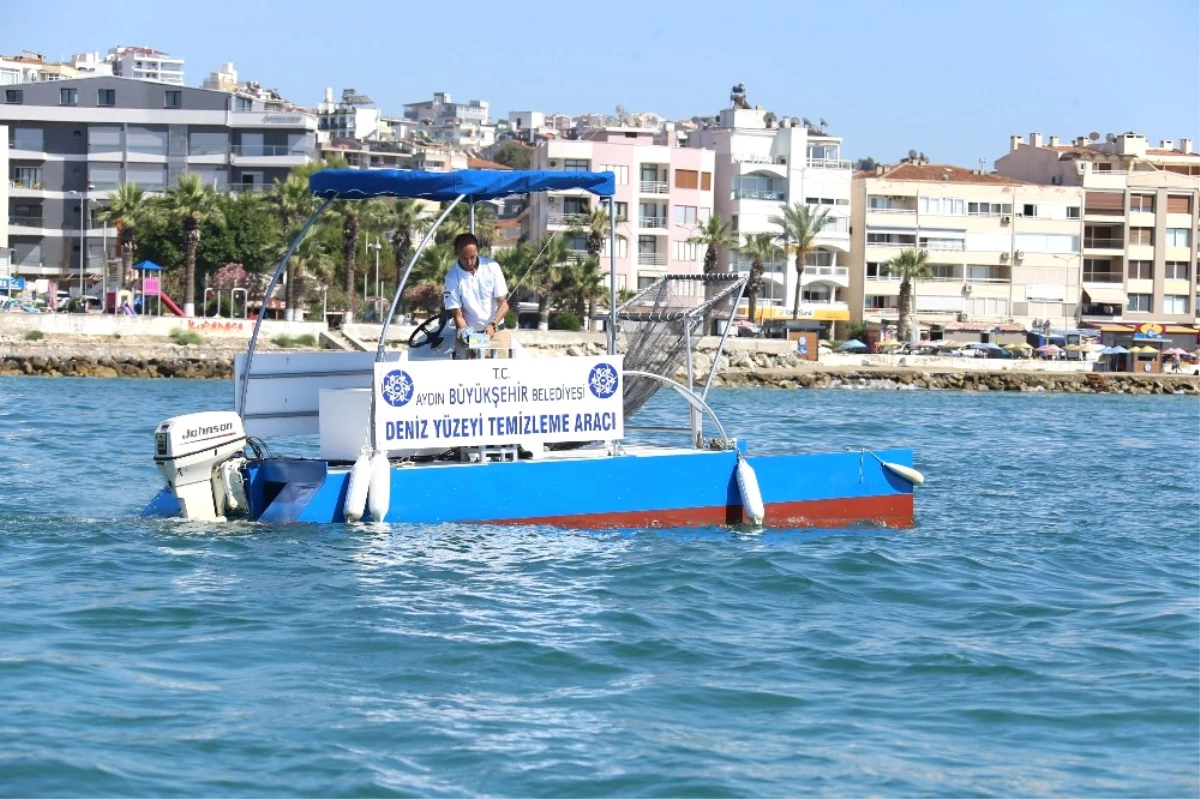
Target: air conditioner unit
{"x": 1003, "y": 256}
{"x": 963, "y": 317}
{"x": 967, "y": 289}
{"x": 1004, "y": 220}
{"x": 1020, "y": 254}
{"x": 553, "y": 163}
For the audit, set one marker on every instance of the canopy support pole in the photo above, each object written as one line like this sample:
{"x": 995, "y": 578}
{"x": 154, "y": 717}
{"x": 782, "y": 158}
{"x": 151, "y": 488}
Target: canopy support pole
{"x": 471, "y": 215}
{"x": 267, "y": 301}
{"x": 612, "y": 277}
{"x": 387, "y": 321}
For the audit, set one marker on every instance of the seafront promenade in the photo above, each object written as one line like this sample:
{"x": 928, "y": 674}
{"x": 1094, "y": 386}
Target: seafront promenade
{"x": 113, "y": 347}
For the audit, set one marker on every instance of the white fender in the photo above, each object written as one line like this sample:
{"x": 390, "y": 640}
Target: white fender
{"x": 912, "y": 475}
{"x": 234, "y": 486}
{"x": 752, "y": 499}
{"x": 379, "y": 497}
{"x": 357, "y": 486}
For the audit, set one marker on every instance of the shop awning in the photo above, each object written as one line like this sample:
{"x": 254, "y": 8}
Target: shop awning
{"x": 1106, "y": 295}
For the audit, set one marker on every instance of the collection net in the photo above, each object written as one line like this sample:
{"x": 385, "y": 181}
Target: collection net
{"x": 657, "y": 324}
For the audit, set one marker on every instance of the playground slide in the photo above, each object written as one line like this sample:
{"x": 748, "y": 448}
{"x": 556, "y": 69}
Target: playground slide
{"x": 171, "y": 306}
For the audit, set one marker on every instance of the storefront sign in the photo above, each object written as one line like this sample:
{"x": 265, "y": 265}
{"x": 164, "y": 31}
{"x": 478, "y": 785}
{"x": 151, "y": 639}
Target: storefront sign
{"x": 1148, "y": 330}
{"x": 12, "y": 284}
{"x": 1045, "y": 292}
{"x": 493, "y": 401}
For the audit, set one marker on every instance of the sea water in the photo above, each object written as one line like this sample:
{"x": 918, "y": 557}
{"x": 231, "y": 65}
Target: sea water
{"x": 1034, "y": 634}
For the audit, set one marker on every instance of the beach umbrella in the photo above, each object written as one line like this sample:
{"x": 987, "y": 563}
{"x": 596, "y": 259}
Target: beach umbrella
{"x": 1118, "y": 350}
{"x": 891, "y": 344}
{"x": 1175, "y": 351}
{"x": 1050, "y": 348}
{"x": 854, "y": 345}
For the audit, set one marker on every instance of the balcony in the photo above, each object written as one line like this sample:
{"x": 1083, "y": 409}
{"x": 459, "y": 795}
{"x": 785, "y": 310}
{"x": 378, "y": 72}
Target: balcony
{"x": 25, "y": 220}
{"x": 1096, "y": 243}
{"x": 944, "y": 245}
{"x": 653, "y": 222}
{"x": 567, "y": 220}
{"x": 838, "y": 275}
{"x": 249, "y": 188}
{"x": 769, "y": 196}
{"x": 652, "y": 259}
{"x": 197, "y": 150}
{"x": 1103, "y": 277}
{"x": 828, "y": 163}
{"x": 267, "y": 151}
{"x": 27, "y": 185}
{"x": 758, "y": 159}
{"x": 890, "y": 209}
{"x": 654, "y": 187}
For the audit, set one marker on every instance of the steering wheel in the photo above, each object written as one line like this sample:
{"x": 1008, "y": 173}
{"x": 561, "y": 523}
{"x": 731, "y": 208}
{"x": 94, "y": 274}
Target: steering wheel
{"x": 432, "y": 337}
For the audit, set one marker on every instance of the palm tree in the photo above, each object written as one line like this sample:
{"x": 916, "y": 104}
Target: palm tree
{"x": 594, "y": 225}
{"x": 910, "y": 265}
{"x": 590, "y": 286}
{"x": 548, "y": 276}
{"x": 189, "y": 204}
{"x": 715, "y": 235}
{"x": 128, "y": 207}
{"x": 293, "y": 203}
{"x": 408, "y": 219}
{"x": 356, "y": 215}
{"x": 459, "y": 221}
{"x": 759, "y": 247}
{"x": 798, "y": 227}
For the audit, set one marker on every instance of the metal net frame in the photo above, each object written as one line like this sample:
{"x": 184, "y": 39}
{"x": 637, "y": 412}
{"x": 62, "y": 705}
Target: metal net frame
{"x": 660, "y": 327}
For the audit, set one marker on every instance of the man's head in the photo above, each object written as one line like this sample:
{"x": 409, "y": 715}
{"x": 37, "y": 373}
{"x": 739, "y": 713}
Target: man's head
{"x": 466, "y": 247}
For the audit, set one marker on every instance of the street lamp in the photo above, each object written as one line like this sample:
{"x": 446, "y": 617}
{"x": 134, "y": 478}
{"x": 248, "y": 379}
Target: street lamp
{"x": 376, "y": 247}
{"x": 83, "y": 224}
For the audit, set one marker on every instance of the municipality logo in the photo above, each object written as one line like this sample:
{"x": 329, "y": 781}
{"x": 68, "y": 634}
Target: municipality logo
{"x": 602, "y": 381}
{"x": 397, "y": 388}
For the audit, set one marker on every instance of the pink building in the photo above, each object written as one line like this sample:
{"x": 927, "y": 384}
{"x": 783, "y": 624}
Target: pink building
{"x": 664, "y": 192}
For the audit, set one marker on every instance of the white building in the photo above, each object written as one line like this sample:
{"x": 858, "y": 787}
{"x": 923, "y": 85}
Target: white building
{"x": 763, "y": 163}
{"x": 353, "y": 117}
{"x": 23, "y": 68}
{"x": 145, "y": 63}
{"x": 445, "y": 121}
{"x": 91, "y": 65}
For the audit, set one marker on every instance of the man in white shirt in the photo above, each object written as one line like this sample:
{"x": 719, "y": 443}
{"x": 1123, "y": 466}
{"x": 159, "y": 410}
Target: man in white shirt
{"x": 476, "y": 293}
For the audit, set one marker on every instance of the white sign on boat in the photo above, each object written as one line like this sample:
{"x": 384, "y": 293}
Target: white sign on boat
{"x": 497, "y": 402}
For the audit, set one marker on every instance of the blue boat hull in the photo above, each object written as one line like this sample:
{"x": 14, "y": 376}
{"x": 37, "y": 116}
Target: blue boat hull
{"x": 676, "y": 488}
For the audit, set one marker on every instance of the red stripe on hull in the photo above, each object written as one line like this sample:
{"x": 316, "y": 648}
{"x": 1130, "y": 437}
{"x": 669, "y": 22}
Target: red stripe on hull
{"x": 892, "y": 510}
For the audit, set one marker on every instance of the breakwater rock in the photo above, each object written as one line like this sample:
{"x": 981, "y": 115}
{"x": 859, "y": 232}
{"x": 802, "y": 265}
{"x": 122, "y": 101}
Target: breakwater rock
{"x": 908, "y": 379}
{"x": 103, "y": 360}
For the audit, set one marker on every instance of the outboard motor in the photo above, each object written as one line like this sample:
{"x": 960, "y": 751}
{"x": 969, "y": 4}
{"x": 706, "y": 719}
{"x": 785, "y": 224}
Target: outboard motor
{"x": 200, "y": 456}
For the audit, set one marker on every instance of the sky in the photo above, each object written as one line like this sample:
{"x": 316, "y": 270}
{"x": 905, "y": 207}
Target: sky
{"x": 951, "y": 79}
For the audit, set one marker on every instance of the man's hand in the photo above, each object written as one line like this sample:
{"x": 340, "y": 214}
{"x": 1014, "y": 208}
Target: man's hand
{"x": 464, "y": 333}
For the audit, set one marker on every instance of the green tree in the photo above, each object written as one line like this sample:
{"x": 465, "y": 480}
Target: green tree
{"x": 459, "y": 221}
{"x": 759, "y": 248}
{"x": 513, "y": 154}
{"x": 408, "y": 220}
{"x": 714, "y": 235}
{"x": 293, "y": 204}
{"x": 189, "y": 203}
{"x": 867, "y": 164}
{"x": 798, "y": 227}
{"x": 910, "y": 265}
{"x": 547, "y": 277}
{"x": 129, "y": 207}
{"x": 356, "y": 215}
{"x": 247, "y": 236}
{"x": 593, "y": 225}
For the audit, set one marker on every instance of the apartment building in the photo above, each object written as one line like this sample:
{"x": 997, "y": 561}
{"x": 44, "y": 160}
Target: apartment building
{"x": 145, "y": 63}
{"x": 664, "y": 192}
{"x": 72, "y": 142}
{"x": 1003, "y": 252}
{"x": 396, "y": 155}
{"x": 445, "y": 121}
{"x": 353, "y": 117}
{"x": 763, "y": 163}
{"x": 1140, "y": 221}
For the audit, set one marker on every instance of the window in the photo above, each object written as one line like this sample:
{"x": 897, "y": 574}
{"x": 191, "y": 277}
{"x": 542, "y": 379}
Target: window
{"x": 173, "y": 99}
{"x": 106, "y": 97}
{"x": 68, "y": 97}
{"x": 881, "y": 302}
{"x": 575, "y": 165}
{"x": 879, "y": 203}
{"x": 687, "y": 179}
{"x": 877, "y": 270}
{"x": 988, "y": 209}
{"x": 622, "y": 208}
{"x": 104, "y": 177}
{"x": 706, "y": 181}
{"x": 733, "y": 223}
{"x": 1072, "y": 212}
{"x": 1178, "y": 270}
{"x": 203, "y": 142}
{"x": 154, "y": 142}
{"x": 14, "y": 96}
{"x": 1141, "y": 202}
{"x": 986, "y": 306}
{"x": 1028, "y": 209}
{"x": 1139, "y": 302}
{"x": 1141, "y": 235}
{"x": 685, "y": 215}
{"x": 243, "y": 104}
{"x": 105, "y": 139}
{"x": 577, "y": 243}
{"x": 27, "y": 139}
{"x": 1179, "y": 204}
{"x": 892, "y": 239}
{"x": 620, "y": 173}
{"x": 685, "y": 251}
{"x": 704, "y": 215}
{"x": 1178, "y": 237}
{"x": 575, "y": 205}
{"x": 1141, "y": 270}
{"x": 1175, "y": 303}
{"x": 944, "y": 272}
